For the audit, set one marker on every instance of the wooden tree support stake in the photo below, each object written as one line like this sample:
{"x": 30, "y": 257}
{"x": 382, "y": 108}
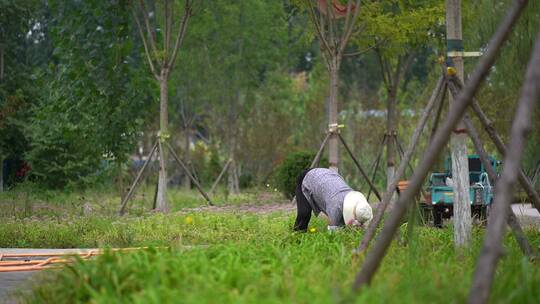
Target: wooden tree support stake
{"x": 366, "y": 177}
{"x": 375, "y": 166}
{"x": 372, "y": 227}
{"x": 513, "y": 222}
{"x": 375, "y": 256}
{"x": 524, "y": 181}
{"x": 220, "y": 175}
{"x": 195, "y": 182}
{"x": 492, "y": 248}
{"x": 317, "y": 158}
{"x": 158, "y": 147}
{"x": 127, "y": 197}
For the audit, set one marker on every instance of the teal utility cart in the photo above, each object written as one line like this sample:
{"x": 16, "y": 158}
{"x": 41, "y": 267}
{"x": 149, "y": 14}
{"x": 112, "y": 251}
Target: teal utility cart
{"x": 440, "y": 198}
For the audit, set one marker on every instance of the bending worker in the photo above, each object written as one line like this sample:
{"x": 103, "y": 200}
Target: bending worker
{"x": 324, "y": 190}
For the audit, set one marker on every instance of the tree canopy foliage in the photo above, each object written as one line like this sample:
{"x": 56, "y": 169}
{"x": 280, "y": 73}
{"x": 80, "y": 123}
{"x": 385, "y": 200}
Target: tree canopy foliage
{"x": 249, "y": 84}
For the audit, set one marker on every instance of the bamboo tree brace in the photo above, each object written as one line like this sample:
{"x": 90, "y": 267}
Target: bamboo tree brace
{"x": 455, "y": 49}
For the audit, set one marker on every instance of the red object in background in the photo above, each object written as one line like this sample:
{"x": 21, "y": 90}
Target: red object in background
{"x": 23, "y": 171}
{"x": 339, "y": 10}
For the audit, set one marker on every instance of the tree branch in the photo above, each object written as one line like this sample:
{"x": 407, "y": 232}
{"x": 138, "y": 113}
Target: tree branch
{"x": 383, "y": 69}
{"x": 348, "y": 30}
{"x": 318, "y": 29}
{"x": 376, "y": 45}
{"x": 168, "y": 26}
{"x": 347, "y": 16}
{"x": 145, "y": 44}
{"x": 181, "y": 31}
{"x": 151, "y": 35}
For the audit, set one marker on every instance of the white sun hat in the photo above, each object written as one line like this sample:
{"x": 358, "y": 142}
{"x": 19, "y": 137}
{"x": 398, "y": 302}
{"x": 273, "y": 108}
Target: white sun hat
{"x": 356, "y": 209}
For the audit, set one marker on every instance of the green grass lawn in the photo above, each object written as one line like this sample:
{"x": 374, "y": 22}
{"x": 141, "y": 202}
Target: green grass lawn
{"x": 29, "y": 201}
{"x": 249, "y": 258}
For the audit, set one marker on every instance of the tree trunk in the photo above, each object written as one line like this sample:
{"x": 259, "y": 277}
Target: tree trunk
{"x": 391, "y": 127}
{"x": 391, "y": 122}
{"x": 333, "y": 149}
{"x": 161, "y": 200}
{"x": 187, "y": 136}
{"x": 120, "y": 180}
{"x": 460, "y": 164}
{"x": 232, "y": 178}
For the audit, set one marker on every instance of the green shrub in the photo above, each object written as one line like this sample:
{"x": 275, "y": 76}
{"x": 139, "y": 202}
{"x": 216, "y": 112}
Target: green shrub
{"x": 290, "y": 168}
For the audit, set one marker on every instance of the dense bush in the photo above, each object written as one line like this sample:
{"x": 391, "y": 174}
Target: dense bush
{"x": 290, "y": 168}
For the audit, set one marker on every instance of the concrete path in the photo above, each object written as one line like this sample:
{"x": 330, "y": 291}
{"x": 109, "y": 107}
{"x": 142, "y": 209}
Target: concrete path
{"x": 527, "y": 214}
{"x": 10, "y": 282}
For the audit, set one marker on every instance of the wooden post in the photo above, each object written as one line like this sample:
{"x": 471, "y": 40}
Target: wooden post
{"x": 317, "y": 158}
{"x": 375, "y": 166}
{"x": 364, "y": 175}
{"x": 220, "y": 176}
{"x": 133, "y": 186}
{"x": 520, "y": 237}
{"x": 492, "y": 248}
{"x": 460, "y": 163}
{"x": 375, "y": 256}
{"x": 401, "y": 153}
{"x": 524, "y": 181}
{"x": 372, "y": 228}
{"x": 438, "y": 112}
{"x": 186, "y": 169}
{"x": 513, "y": 222}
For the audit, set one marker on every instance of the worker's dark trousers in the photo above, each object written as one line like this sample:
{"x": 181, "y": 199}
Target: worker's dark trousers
{"x": 303, "y": 208}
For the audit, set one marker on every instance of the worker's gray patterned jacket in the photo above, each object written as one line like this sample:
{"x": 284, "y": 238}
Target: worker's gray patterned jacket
{"x": 325, "y": 191}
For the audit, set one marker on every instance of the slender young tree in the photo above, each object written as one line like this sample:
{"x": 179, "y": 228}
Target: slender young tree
{"x": 156, "y": 25}
{"x": 334, "y": 25}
